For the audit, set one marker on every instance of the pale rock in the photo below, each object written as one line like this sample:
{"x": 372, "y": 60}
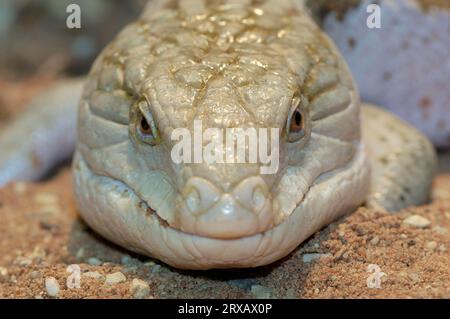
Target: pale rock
{"x": 417, "y": 221}
{"x": 261, "y": 292}
{"x": 93, "y": 274}
{"x": 94, "y": 261}
{"x": 431, "y": 245}
{"x": 307, "y": 258}
{"x": 115, "y": 278}
{"x": 139, "y": 288}
{"x": 52, "y": 286}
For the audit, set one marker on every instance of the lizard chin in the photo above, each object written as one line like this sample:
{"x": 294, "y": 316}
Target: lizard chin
{"x": 115, "y": 211}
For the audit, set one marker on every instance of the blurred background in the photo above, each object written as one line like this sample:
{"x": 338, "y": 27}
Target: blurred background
{"x": 37, "y": 47}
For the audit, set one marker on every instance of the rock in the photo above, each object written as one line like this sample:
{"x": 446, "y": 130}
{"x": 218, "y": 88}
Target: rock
{"x": 307, "y": 258}
{"x": 375, "y": 240}
{"x": 415, "y": 278}
{"x": 156, "y": 269}
{"x": 261, "y": 292}
{"x": 115, "y": 278}
{"x": 80, "y": 253}
{"x": 139, "y": 288}
{"x": 149, "y": 263}
{"x": 245, "y": 283}
{"x": 35, "y": 274}
{"x": 94, "y": 261}
{"x": 130, "y": 269}
{"x": 20, "y": 188}
{"x": 48, "y": 203}
{"x": 38, "y": 254}
{"x": 24, "y": 262}
{"x": 440, "y": 230}
{"x": 3, "y": 274}
{"x": 45, "y": 199}
{"x": 93, "y": 274}
{"x": 52, "y": 286}
{"x": 417, "y": 221}
{"x": 431, "y": 245}
{"x": 129, "y": 261}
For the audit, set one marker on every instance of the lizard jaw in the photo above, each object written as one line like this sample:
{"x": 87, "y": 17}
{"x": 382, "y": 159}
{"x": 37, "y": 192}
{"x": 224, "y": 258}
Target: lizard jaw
{"x": 113, "y": 209}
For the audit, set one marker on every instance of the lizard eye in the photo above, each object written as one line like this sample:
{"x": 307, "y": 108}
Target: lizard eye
{"x": 296, "y": 125}
{"x": 145, "y": 128}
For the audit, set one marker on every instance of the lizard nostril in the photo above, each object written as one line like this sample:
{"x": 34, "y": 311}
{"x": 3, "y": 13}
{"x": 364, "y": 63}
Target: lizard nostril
{"x": 258, "y": 198}
{"x": 193, "y": 200}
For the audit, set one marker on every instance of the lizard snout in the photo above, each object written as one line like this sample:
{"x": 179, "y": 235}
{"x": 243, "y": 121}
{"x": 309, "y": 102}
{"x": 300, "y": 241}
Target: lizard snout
{"x": 206, "y": 210}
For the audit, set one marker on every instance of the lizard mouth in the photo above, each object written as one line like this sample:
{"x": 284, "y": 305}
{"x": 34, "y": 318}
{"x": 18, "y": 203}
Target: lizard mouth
{"x": 120, "y": 214}
{"x": 228, "y": 217}
{"x": 246, "y": 211}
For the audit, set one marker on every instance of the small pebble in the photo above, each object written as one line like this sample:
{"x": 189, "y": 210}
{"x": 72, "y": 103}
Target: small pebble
{"x": 3, "y": 274}
{"x": 415, "y": 278}
{"x": 129, "y": 261}
{"x": 24, "y": 262}
{"x": 35, "y": 274}
{"x": 261, "y": 292}
{"x": 375, "y": 240}
{"x": 440, "y": 230}
{"x": 431, "y": 245}
{"x": 244, "y": 283}
{"x": 149, "y": 263}
{"x": 93, "y": 274}
{"x": 80, "y": 253}
{"x": 139, "y": 288}
{"x": 307, "y": 258}
{"x": 52, "y": 286}
{"x": 115, "y": 278}
{"x": 50, "y": 210}
{"x": 45, "y": 198}
{"x": 156, "y": 269}
{"x": 94, "y": 261}
{"x": 130, "y": 269}
{"x": 20, "y": 188}
{"x": 417, "y": 221}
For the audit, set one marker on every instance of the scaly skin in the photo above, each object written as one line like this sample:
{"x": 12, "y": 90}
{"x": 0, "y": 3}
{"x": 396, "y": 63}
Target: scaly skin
{"x": 232, "y": 64}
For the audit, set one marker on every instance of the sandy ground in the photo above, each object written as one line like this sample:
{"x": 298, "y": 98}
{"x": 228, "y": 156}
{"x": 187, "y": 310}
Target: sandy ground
{"x": 41, "y": 235}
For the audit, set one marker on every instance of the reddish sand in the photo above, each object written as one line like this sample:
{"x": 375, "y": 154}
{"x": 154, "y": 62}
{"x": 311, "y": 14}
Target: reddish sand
{"x": 41, "y": 234}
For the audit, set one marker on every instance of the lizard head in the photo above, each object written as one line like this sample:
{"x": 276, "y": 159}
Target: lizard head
{"x": 168, "y": 108}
